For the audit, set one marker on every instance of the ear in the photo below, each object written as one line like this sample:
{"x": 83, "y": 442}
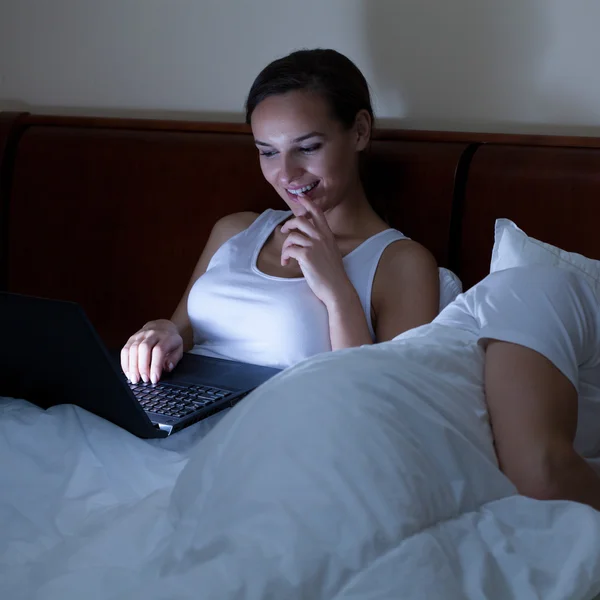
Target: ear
{"x": 362, "y": 129}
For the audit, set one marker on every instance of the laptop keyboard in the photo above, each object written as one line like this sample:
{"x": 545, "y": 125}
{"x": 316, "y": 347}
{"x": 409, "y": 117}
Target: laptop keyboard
{"x": 174, "y": 400}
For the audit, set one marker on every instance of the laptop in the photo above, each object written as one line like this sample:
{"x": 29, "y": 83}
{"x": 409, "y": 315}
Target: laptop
{"x": 51, "y": 354}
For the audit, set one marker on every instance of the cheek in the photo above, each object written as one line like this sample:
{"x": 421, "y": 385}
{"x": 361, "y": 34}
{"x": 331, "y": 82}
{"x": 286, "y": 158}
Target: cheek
{"x": 337, "y": 166}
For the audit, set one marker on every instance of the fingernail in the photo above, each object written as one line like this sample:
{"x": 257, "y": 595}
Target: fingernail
{"x": 154, "y": 379}
{"x": 145, "y": 378}
{"x": 171, "y": 366}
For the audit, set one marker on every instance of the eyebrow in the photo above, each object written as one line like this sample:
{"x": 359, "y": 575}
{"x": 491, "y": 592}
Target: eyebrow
{"x": 302, "y": 138}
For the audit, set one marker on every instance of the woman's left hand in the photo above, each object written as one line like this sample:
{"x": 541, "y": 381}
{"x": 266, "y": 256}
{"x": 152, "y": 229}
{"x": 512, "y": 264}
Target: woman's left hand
{"x": 312, "y": 244}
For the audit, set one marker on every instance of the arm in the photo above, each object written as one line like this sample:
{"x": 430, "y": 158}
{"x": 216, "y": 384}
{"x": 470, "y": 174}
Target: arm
{"x": 406, "y": 290}
{"x": 533, "y": 411}
{"x": 348, "y": 326}
{"x": 313, "y": 245}
{"x": 405, "y": 295}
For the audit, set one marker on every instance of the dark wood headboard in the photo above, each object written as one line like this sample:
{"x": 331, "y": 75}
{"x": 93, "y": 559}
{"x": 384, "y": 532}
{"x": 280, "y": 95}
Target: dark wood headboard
{"x": 552, "y": 193}
{"x": 113, "y": 213}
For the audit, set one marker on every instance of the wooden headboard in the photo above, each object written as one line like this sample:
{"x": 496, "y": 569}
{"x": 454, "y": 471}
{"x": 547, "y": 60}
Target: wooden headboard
{"x": 114, "y": 213}
{"x": 551, "y": 192}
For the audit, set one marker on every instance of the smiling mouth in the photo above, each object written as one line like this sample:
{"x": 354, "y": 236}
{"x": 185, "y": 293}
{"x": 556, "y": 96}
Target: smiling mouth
{"x": 303, "y": 190}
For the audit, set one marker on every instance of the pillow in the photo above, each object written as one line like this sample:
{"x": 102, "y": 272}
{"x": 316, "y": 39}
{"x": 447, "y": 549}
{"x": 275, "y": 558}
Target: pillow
{"x": 514, "y": 248}
{"x": 450, "y": 287}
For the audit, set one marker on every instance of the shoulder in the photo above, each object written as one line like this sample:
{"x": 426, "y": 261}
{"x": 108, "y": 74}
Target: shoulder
{"x": 235, "y": 222}
{"x": 407, "y": 257}
{"x": 405, "y": 291}
{"x": 406, "y": 268}
{"x": 229, "y": 225}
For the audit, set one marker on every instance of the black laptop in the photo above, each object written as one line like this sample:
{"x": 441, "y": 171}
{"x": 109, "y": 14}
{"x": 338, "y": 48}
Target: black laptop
{"x": 51, "y": 354}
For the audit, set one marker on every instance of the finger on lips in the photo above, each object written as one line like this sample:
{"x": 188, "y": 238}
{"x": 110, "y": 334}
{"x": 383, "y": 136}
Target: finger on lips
{"x": 315, "y": 216}
{"x": 311, "y": 208}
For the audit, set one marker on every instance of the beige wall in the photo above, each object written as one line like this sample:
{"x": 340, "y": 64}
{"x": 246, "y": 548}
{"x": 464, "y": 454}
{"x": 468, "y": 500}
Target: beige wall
{"x": 510, "y": 65}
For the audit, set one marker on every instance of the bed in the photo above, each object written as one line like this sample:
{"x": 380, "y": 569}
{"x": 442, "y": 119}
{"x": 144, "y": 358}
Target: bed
{"x": 396, "y": 466}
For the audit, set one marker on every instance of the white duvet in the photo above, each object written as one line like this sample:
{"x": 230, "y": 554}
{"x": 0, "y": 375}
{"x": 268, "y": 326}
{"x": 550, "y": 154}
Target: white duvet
{"x": 363, "y": 474}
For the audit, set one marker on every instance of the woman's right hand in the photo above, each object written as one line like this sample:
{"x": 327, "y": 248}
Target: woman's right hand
{"x": 156, "y": 347}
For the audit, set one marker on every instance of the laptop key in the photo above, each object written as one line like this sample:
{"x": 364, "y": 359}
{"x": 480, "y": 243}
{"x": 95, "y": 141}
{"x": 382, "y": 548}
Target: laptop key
{"x": 177, "y": 400}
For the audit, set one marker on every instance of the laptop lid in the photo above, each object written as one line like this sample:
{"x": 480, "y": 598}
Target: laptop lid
{"x": 50, "y": 354}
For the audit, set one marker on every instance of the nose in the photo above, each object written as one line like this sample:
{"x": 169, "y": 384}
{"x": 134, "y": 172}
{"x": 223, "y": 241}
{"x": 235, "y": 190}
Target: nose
{"x": 289, "y": 171}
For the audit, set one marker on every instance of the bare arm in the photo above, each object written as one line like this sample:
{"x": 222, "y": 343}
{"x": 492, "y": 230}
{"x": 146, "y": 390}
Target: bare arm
{"x": 533, "y": 411}
{"x": 406, "y": 290}
{"x": 348, "y": 326}
{"x": 405, "y": 295}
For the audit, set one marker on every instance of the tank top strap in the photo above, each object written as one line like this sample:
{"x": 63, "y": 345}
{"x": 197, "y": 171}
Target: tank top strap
{"x": 380, "y": 241}
{"x": 258, "y": 233}
{"x": 370, "y": 251}
{"x": 238, "y": 251}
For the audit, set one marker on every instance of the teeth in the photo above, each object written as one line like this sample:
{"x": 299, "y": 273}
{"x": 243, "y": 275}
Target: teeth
{"x": 304, "y": 189}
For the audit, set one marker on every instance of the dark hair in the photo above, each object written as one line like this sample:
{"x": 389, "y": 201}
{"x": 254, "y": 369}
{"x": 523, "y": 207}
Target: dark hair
{"x": 327, "y": 72}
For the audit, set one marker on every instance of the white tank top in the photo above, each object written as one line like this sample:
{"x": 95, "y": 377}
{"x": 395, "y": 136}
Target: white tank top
{"x": 240, "y": 313}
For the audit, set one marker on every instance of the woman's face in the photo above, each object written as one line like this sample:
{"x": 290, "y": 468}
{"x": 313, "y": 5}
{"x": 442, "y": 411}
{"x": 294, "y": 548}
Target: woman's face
{"x": 305, "y": 150}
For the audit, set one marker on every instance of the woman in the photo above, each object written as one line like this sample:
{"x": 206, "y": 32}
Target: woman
{"x": 329, "y": 273}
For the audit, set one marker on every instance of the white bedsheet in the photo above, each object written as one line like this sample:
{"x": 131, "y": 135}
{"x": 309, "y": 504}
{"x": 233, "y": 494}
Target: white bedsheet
{"x": 383, "y": 485}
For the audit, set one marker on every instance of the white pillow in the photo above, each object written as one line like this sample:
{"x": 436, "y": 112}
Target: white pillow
{"x": 514, "y": 248}
{"x": 450, "y": 287}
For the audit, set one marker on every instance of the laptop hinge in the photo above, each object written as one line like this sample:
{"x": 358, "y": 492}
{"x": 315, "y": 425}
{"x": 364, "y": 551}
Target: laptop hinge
{"x": 166, "y": 428}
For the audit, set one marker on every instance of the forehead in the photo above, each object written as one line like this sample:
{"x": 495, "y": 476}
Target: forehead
{"x": 291, "y": 115}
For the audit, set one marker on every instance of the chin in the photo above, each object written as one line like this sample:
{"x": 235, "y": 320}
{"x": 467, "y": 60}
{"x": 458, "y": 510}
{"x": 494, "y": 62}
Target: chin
{"x": 325, "y": 204}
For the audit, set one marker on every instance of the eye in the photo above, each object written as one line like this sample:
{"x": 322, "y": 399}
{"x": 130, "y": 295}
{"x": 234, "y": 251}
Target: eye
{"x": 267, "y": 153}
{"x": 311, "y": 149}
